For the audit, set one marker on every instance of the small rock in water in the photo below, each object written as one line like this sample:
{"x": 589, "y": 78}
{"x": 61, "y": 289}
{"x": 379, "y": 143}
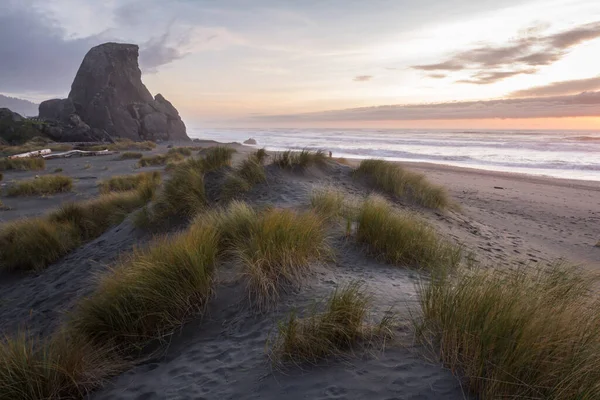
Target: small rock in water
{"x": 250, "y": 141}
{"x": 498, "y": 187}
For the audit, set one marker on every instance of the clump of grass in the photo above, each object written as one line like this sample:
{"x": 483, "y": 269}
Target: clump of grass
{"x": 122, "y": 145}
{"x": 217, "y": 157}
{"x": 124, "y": 183}
{"x": 58, "y": 368}
{"x": 403, "y": 239}
{"x": 43, "y": 185}
{"x": 58, "y": 170}
{"x": 342, "y": 326}
{"x": 87, "y": 166}
{"x": 152, "y": 293}
{"x": 530, "y": 333}
{"x": 33, "y": 145}
{"x": 260, "y": 155}
{"x": 598, "y": 244}
{"x": 35, "y": 243}
{"x": 183, "y": 194}
{"x": 250, "y": 172}
{"x": 331, "y": 203}
{"x": 159, "y": 159}
{"x": 131, "y": 155}
{"x": 300, "y": 159}
{"x": 396, "y": 180}
{"x": 184, "y": 151}
{"x": 278, "y": 251}
{"x": 22, "y": 164}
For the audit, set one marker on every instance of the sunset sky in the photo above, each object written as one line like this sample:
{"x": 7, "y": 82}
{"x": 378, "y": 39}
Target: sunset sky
{"x": 330, "y": 63}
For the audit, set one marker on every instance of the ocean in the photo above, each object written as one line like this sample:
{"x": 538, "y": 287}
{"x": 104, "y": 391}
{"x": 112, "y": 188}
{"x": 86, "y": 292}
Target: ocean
{"x": 559, "y": 154}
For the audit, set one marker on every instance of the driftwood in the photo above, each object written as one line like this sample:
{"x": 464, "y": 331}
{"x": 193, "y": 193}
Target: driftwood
{"x": 79, "y": 153}
{"x": 35, "y": 153}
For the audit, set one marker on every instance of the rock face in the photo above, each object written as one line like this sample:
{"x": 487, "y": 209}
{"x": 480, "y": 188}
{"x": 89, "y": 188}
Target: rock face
{"x": 108, "y": 97}
{"x": 14, "y": 129}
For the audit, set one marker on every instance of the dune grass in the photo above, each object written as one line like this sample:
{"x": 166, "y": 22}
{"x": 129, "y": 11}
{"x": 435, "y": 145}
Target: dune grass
{"x": 43, "y": 185}
{"x": 184, "y": 151}
{"x": 402, "y": 238}
{"x": 529, "y": 333}
{"x": 35, "y": 243}
{"x": 57, "y": 368}
{"x": 342, "y": 326}
{"x": 300, "y": 160}
{"x": 122, "y": 144}
{"x": 22, "y": 164}
{"x": 396, "y": 180}
{"x": 131, "y": 155}
{"x": 152, "y": 293}
{"x": 123, "y": 183}
{"x": 277, "y": 251}
{"x": 250, "y": 172}
{"x": 159, "y": 159}
{"x": 217, "y": 157}
{"x": 331, "y": 203}
{"x": 33, "y": 145}
{"x": 260, "y": 155}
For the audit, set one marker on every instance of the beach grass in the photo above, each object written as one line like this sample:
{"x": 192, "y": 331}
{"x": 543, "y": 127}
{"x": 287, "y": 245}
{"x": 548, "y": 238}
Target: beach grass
{"x": 122, "y": 144}
{"x": 331, "y": 203}
{"x": 43, "y": 185}
{"x": 124, "y": 183}
{"x": 131, "y": 155}
{"x": 277, "y": 251}
{"x": 152, "y": 293}
{"x": 402, "y": 238}
{"x": 183, "y": 194}
{"x": 184, "y": 151}
{"x": 22, "y": 164}
{"x": 250, "y": 172}
{"x": 527, "y": 333}
{"x": 34, "y": 243}
{"x": 260, "y": 155}
{"x": 217, "y": 157}
{"x": 342, "y": 326}
{"x": 394, "y": 179}
{"x": 53, "y": 369}
{"x": 300, "y": 160}
{"x": 159, "y": 159}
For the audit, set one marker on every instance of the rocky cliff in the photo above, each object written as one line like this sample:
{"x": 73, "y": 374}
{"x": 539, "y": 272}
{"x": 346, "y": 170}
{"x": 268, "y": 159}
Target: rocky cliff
{"x": 109, "y": 100}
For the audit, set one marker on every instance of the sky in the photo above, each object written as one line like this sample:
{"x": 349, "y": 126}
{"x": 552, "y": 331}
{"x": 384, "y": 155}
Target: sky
{"x": 327, "y": 63}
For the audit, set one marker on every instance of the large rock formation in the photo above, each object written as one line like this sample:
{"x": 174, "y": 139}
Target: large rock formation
{"x": 108, "y": 97}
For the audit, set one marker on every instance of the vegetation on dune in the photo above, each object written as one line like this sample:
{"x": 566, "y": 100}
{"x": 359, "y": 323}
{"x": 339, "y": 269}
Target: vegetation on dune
{"x": 58, "y": 368}
{"x": 35, "y": 243}
{"x": 184, "y": 151}
{"x": 342, "y": 326}
{"x": 530, "y": 333}
{"x": 131, "y": 155}
{"x": 331, "y": 203}
{"x": 152, "y": 293}
{"x": 159, "y": 159}
{"x": 300, "y": 160}
{"x": 122, "y": 145}
{"x": 43, "y": 185}
{"x": 22, "y": 164}
{"x": 58, "y": 170}
{"x": 34, "y": 144}
{"x": 396, "y": 180}
{"x": 250, "y": 172}
{"x": 217, "y": 157}
{"x": 403, "y": 239}
{"x": 124, "y": 183}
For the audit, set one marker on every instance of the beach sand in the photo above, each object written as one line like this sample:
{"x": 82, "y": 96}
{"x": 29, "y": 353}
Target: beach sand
{"x": 504, "y": 219}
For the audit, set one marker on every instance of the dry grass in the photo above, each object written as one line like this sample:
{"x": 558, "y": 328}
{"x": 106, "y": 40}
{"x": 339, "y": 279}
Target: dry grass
{"x": 124, "y": 183}
{"x": 530, "y": 333}
{"x": 22, "y": 164}
{"x": 184, "y": 151}
{"x": 396, "y": 180}
{"x": 159, "y": 159}
{"x": 130, "y": 155}
{"x": 277, "y": 251}
{"x": 250, "y": 172}
{"x": 300, "y": 160}
{"x": 59, "y": 368}
{"x": 33, "y": 145}
{"x": 403, "y": 239}
{"x": 35, "y": 243}
{"x": 331, "y": 203}
{"x": 123, "y": 145}
{"x": 341, "y": 327}
{"x": 217, "y": 157}
{"x": 58, "y": 170}
{"x": 152, "y": 293}
{"x": 43, "y": 185}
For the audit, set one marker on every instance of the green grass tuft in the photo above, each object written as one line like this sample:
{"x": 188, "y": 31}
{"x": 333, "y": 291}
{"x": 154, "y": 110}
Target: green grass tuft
{"x": 184, "y": 151}
{"x": 152, "y": 293}
{"x": 43, "y": 185}
{"x": 22, "y": 164}
{"x": 403, "y": 239}
{"x": 250, "y": 172}
{"x": 341, "y": 327}
{"x": 58, "y": 170}
{"x": 217, "y": 157}
{"x": 530, "y": 333}
{"x": 300, "y": 160}
{"x": 260, "y": 155}
{"x": 396, "y": 180}
{"x": 122, "y": 145}
{"x": 129, "y": 182}
{"x": 130, "y": 155}
{"x": 159, "y": 159}
{"x": 331, "y": 203}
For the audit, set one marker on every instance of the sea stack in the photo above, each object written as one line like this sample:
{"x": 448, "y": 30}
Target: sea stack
{"x": 108, "y": 95}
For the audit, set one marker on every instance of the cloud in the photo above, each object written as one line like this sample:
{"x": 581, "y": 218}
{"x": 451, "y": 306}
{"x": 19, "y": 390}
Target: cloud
{"x": 560, "y": 88}
{"x": 362, "y": 78}
{"x": 581, "y": 105}
{"x": 161, "y": 50}
{"x": 524, "y": 55}
{"x": 437, "y": 76}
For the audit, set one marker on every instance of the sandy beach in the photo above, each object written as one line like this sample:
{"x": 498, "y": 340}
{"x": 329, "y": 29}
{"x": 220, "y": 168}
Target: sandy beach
{"x": 504, "y": 219}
